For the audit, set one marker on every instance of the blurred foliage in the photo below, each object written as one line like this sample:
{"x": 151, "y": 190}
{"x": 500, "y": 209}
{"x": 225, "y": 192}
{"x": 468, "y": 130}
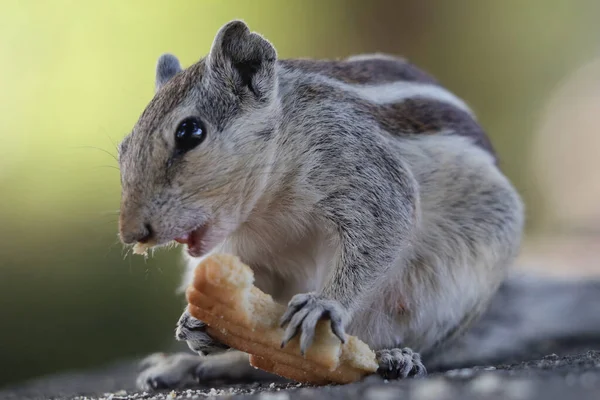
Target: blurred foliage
{"x": 75, "y": 75}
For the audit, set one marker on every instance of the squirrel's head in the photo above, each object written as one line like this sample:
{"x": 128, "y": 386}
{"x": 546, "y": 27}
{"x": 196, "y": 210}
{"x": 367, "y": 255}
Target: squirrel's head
{"x": 195, "y": 162}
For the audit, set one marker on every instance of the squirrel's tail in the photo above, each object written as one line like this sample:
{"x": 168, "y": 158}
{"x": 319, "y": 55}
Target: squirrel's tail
{"x": 530, "y": 316}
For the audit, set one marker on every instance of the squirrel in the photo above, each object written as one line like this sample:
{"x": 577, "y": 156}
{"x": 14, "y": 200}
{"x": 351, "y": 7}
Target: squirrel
{"x": 358, "y": 190}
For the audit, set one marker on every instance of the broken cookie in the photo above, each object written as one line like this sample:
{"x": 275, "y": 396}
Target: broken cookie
{"x": 241, "y": 316}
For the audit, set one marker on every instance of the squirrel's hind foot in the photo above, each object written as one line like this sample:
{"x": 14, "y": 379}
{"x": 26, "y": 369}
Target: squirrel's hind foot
{"x": 168, "y": 371}
{"x": 181, "y": 370}
{"x": 400, "y": 363}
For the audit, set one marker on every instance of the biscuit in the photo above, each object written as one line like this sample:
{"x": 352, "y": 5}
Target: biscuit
{"x": 241, "y": 316}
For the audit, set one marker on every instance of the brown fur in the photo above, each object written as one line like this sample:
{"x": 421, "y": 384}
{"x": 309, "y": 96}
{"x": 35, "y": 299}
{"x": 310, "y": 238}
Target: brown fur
{"x": 409, "y": 117}
{"x": 428, "y": 116}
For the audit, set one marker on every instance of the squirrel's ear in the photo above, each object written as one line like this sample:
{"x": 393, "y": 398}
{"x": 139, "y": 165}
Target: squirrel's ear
{"x": 244, "y": 58}
{"x": 167, "y": 67}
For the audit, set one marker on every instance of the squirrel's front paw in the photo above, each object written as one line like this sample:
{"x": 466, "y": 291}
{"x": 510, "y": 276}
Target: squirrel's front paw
{"x": 303, "y": 313}
{"x": 193, "y": 331}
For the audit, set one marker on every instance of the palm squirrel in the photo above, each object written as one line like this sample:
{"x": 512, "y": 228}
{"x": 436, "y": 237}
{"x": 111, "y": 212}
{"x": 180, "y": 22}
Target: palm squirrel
{"x": 358, "y": 190}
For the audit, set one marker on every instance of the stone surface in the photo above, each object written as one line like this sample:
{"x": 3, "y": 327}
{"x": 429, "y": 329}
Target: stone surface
{"x": 551, "y": 377}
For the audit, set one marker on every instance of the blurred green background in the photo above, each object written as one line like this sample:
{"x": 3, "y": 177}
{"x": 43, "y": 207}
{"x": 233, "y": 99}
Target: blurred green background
{"x": 75, "y": 75}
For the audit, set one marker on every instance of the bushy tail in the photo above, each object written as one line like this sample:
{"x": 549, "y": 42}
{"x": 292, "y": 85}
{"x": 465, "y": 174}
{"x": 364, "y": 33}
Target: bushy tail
{"x": 529, "y": 317}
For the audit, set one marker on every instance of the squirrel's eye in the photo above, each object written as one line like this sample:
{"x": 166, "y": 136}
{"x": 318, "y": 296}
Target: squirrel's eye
{"x": 189, "y": 134}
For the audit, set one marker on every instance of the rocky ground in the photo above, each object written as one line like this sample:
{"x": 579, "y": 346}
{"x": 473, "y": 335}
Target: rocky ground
{"x": 575, "y": 375}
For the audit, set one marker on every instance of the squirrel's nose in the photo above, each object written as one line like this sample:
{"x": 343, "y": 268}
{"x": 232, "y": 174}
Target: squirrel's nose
{"x": 142, "y": 233}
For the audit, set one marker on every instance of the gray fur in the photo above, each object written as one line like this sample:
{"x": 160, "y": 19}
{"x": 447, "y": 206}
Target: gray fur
{"x": 166, "y": 68}
{"x": 386, "y": 214}
{"x": 244, "y": 59}
{"x": 367, "y": 68}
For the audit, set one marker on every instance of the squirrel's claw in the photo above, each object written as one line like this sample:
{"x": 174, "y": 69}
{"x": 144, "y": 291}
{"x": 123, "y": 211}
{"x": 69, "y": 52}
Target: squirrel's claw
{"x": 303, "y": 313}
{"x": 193, "y": 331}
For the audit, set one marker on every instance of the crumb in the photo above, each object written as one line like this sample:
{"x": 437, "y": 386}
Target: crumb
{"x": 141, "y": 248}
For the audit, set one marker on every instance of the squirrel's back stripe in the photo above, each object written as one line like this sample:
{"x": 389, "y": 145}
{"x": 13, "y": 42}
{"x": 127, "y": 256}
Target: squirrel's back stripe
{"x": 399, "y": 97}
{"x": 428, "y": 116}
{"x": 397, "y": 92}
{"x": 369, "y": 69}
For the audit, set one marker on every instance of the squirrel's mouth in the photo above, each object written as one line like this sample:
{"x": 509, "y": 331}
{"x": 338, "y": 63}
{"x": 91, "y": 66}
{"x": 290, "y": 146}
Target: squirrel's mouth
{"x": 195, "y": 241}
